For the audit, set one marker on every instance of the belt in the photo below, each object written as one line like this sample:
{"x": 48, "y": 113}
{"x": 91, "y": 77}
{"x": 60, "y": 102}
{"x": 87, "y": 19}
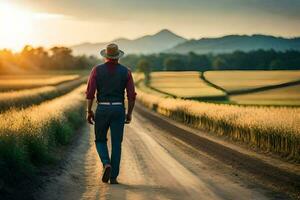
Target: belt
{"x": 110, "y": 103}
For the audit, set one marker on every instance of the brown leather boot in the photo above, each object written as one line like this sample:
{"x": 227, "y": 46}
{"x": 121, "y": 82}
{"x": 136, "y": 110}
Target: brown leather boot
{"x": 113, "y": 181}
{"x": 106, "y": 173}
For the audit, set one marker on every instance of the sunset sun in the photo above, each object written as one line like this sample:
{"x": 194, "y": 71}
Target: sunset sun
{"x": 15, "y": 25}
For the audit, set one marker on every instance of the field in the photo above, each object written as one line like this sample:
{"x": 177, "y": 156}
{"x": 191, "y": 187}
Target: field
{"x": 258, "y": 87}
{"x": 282, "y": 96}
{"x": 36, "y": 120}
{"x": 271, "y": 129}
{"x": 233, "y": 87}
{"x": 242, "y": 80}
{"x": 27, "y": 97}
{"x": 9, "y": 83}
{"x": 184, "y": 85}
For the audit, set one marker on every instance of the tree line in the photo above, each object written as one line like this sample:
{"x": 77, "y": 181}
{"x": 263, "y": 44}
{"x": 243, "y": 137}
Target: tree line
{"x": 238, "y": 60}
{"x": 61, "y": 58}
{"x": 56, "y": 58}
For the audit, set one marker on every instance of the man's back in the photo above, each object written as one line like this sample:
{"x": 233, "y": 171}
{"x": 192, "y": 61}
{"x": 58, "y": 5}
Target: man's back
{"x": 111, "y": 82}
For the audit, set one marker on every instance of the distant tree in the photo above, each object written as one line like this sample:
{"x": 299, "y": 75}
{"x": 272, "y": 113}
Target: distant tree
{"x": 258, "y": 59}
{"x": 7, "y": 55}
{"x": 62, "y": 58}
{"x": 1, "y": 67}
{"x": 192, "y": 60}
{"x": 173, "y": 64}
{"x": 144, "y": 67}
{"x": 25, "y": 60}
{"x": 197, "y": 62}
{"x": 218, "y": 63}
{"x": 41, "y": 58}
{"x": 130, "y": 61}
{"x": 275, "y": 64}
{"x": 93, "y": 60}
{"x": 81, "y": 62}
{"x": 31, "y": 58}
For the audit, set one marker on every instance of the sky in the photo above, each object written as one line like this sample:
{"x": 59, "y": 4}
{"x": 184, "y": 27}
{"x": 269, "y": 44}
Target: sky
{"x": 68, "y": 22}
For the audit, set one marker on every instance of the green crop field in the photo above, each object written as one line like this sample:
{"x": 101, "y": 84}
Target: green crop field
{"x": 240, "y": 80}
{"x": 183, "y": 85}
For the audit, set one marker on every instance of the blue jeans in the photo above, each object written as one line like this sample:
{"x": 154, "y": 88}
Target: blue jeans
{"x": 113, "y": 117}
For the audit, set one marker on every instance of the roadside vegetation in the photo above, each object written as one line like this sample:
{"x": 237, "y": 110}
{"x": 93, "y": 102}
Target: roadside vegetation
{"x": 28, "y": 137}
{"x": 274, "y": 130}
{"x": 269, "y": 129}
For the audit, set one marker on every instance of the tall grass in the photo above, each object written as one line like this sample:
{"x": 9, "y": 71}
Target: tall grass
{"x": 25, "y": 98}
{"x": 9, "y": 83}
{"x": 29, "y": 136}
{"x": 270, "y": 129}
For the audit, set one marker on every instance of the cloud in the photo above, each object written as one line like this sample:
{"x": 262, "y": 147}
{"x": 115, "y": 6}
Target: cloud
{"x": 192, "y": 18}
{"x": 286, "y": 8}
{"x": 136, "y": 9}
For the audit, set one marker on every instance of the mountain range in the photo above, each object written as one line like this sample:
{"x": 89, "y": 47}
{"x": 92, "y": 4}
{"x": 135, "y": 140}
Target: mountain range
{"x": 168, "y": 42}
{"x": 158, "y": 42}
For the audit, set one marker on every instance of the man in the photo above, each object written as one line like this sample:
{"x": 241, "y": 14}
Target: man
{"x": 110, "y": 80}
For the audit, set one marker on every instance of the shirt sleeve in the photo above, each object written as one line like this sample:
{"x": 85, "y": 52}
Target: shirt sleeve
{"x": 130, "y": 89}
{"x": 91, "y": 85}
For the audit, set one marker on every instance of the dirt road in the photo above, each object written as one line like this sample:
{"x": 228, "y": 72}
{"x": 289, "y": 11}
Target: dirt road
{"x": 154, "y": 165}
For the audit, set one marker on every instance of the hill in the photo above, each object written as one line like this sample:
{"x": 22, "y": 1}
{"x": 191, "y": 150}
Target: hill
{"x": 168, "y": 42}
{"x": 158, "y": 42}
{"x": 230, "y": 43}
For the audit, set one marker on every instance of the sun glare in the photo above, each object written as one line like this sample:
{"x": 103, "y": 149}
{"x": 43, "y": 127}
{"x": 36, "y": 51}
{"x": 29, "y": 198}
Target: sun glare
{"x": 15, "y": 26}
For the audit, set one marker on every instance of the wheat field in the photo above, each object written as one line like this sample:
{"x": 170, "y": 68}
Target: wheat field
{"x": 190, "y": 85}
{"x": 27, "y": 97}
{"x": 30, "y": 136}
{"x": 183, "y": 84}
{"x": 281, "y": 96}
{"x": 240, "y": 80}
{"x": 271, "y": 129}
{"x": 9, "y": 83}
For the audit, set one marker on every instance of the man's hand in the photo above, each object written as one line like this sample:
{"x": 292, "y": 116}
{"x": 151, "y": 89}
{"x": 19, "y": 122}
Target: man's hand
{"x": 90, "y": 117}
{"x": 128, "y": 118}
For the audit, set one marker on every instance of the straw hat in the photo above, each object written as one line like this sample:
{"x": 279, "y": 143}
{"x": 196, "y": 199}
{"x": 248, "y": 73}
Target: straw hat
{"x": 112, "y": 51}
